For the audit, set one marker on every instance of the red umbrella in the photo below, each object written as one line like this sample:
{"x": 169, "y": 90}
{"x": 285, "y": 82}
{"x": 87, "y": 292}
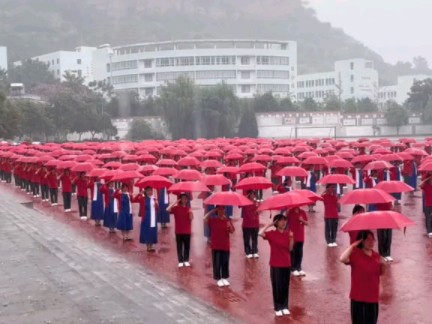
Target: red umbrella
{"x": 112, "y": 164}
{"x": 167, "y": 172}
{"x": 285, "y": 200}
{"x": 188, "y": 175}
{"x": 254, "y": 183}
{"x": 166, "y": 162}
{"x": 234, "y": 156}
{"x": 227, "y": 198}
{"x": 210, "y": 164}
{"x": 147, "y": 169}
{"x": 154, "y": 181}
{"x": 108, "y": 174}
{"x": 427, "y": 166}
{"x": 394, "y": 186}
{"x": 146, "y": 158}
{"x": 96, "y": 172}
{"x": 315, "y": 160}
{"x": 216, "y": 180}
{"x": 262, "y": 158}
{"x": 292, "y": 171}
{"x": 188, "y": 186}
{"x": 362, "y": 159}
{"x": 252, "y": 167}
{"x": 377, "y": 165}
{"x": 82, "y": 167}
{"x": 287, "y": 160}
{"x": 52, "y": 163}
{"x": 227, "y": 169}
{"x": 340, "y": 163}
{"x": 406, "y": 156}
{"x": 366, "y": 196}
{"x": 391, "y": 157}
{"x": 415, "y": 152}
{"x": 66, "y": 165}
{"x": 189, "y": 161}
{"x": 344, "y": 155}
{"x": 386, "y": 219}
{"x": 129, "y": 167}
{"x": 124, "y": 176}
{"x": 308, "y": 194}
{"x": 336, "y": 179}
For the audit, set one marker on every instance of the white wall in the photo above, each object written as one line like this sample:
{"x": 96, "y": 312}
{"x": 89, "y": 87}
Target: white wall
{"x": 3, "y": 58}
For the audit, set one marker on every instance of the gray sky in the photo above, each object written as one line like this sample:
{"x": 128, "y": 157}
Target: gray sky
{"x": 396, "y": 29}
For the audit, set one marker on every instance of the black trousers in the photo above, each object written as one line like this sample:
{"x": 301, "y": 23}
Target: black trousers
{"x": 45, "y": 191}
{"x": 220, "y": 264}
{"x": 82, "y": 206}
{"x": 67, "y": 200}
{"x": 428, "y": 219}
{"x": 250, "y": 239}
{"x": 8, "y": 177}
{"x": 364, "y": 313}
{"x": 35, "y": 188}
{"x": 297, "y": 256}
{"x": 183, "y": 247}
{"x": 280, "y": 280}
{"x": 330, "y": 228}
{"x": 54, "y": 195}
{"x": 384, "y": 241}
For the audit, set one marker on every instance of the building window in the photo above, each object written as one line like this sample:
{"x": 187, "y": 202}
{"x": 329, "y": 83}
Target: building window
{"x": 128, "y": 78}
{"x": 148, "y": 64}
{"x": 221, "y": 75}
{"x": 58, "y": 72}
{"x": 272, "y": 74}
{"x": 245, "y": 88}
{"x": 272, "y": 60}
{"x": 148, "y": 77}
{"x": 58, "y": 61}
{"x": 245, "y": 74}
{"x": 148, "y": 91}
{"x": 352, "y": 65}
{"x": 124, "y": 65}
{"x": 352, "y": 90}
{"x": 78, "y": 61}
{"x": 245, "y": 60}
{"x": 80, "y": 73}
{"x": 171, "y": 76}
{"x": 352, "y": 78}
{"x": 275, "y": 88}
{"x": 52, "y": 62}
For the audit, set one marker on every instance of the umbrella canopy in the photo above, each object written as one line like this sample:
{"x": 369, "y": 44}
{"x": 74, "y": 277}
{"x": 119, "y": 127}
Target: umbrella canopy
{"x": 188, "y": 186}
{"x": 188, "y": 175}
{"x": 336, "y": 179}
{"x": 315, "y": 160}
{"x": 66, "y": 165}
{"x": 164, "y": 171}
{"x": 216, "y": 180}
{"x": 378, "y": 165}
{"x": 96, "y": 172}
{"x": 363, "y": 159}
{"x": 366, "y": 196}
{"x": 189, "y": 161}
{"x": 227, "y": 198}
{"x": 292, "y": 171}
{"x": 252, "y": 167}
{"x": 210, "y": 164}
{"x": 308, "y": 194}
{"x": 123, "y": 176}
{"x": 285, "y": 200}
{"x": 129, "y": 167}
{"x": 154, "y": 181}
{"x": 166, "y": 162}
{"x": 228, "y": 169}
{"x": 394, "y": 186}
{"x": 254, "y": 183}
{"x": 82, "y": 167}
{"x": 112, "y": 164}
{"x": 386, "y": 219}
{"x": 340, "y": 163}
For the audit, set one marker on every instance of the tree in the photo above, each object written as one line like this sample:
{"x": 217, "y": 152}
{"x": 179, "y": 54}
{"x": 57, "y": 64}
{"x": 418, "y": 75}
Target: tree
{"x": 366, "y": 105}
{"x": 309, "y": 105}
{"x": 35, "y": 122}
{"x": 332, "y": 103}
{"x": 31, "y": 73}
{"x": 421, "y": 65}
{"x": 396, "y": 115}
{"x": 140, "y": 130}
{"x": 403, "y": 68}
{"x": 350, "y": 106}
{"x": 421, "y": 92}
{"x": 248, "y": 124}
{"x": 286, "y": 104}
{"x": 265, "y": 103}
{"x": 4, "y": 81}
{"x": 9, "y": 118}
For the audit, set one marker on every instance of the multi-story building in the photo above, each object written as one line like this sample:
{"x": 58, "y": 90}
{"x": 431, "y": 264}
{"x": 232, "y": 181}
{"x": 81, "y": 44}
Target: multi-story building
{"x": 78, "y": 62}
{"x": 355, "y": 78}
{"x": 3, "y": 58}
{"x": 399, "y": 92}
{"x": 249, "y": 66}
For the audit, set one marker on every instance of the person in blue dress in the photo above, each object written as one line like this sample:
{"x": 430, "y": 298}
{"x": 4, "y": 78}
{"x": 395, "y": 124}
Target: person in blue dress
{"x": 125, "y": 218}
{"x": 97, "y": 206}
{"x": 148, "y": 212}
{"x": 311, "y": 184}
{"x": 163, "y": 199}
{"x": 111, "y": 206}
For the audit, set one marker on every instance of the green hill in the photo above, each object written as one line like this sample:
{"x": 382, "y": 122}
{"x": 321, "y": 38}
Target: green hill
{"x": 32, "y": 27}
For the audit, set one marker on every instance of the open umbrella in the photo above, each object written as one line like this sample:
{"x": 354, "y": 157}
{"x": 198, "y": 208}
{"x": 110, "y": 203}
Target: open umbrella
{"x": 82, "y": 167}
{"x": 210, "y": 164}
{"x": 123, "y": 176}
{"x": 189, "y": 161}
{"x": 129, "y": 167}
{"x": 366, "y": 196}
{"x": 386, "y": 219}
{"x": 308, "y": 194}
{"x": 188, "y": 186}
{"x": 96, "y": 172}
{"x": 340, "y": 163}
{"x": 336, "y": 179}
{"x": 228, "y": 169}
{"x": 292, "y": 171}
{"x": 188, "y": 175}
{"x": 377, "y": 165}
{"x": 285, "y": 200}
{"x": 252, "y": 167}
{"x": 166, "y": 162}
{"x": 66, "y": 165}
{"x": 394, "y": 186}
{"x": 216, "y": 180}
{"x": 164, "y": 171}
{"x": 154, "y": 181}
{"x": 254, "y": 183}
{"x": 315, "y": 160}
{"x": 112, "y": 164}
{"x": 227, "y": 198}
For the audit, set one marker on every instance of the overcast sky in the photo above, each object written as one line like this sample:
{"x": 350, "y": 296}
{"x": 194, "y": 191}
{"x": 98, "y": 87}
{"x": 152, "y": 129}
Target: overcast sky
{"x": 396, "y": 29}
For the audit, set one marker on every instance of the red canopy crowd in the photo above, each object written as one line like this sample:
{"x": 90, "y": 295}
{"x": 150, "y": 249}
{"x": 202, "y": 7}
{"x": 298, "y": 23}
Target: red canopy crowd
{"x": 163, "y": 176}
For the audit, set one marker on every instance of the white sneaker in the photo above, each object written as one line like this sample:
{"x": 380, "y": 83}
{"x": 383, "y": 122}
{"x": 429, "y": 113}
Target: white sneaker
{"x": 249, "y": 256}
{"x": 296, "y": 273}
{"x": 181, "y": 265}
{"x": 430, "y": 235}
{"x": 335, "y": 244}
{"x": 302, "y": 273}
{"x": 187, "y": 264}
{"x": 286, "y": 311}
{"x": 389, "y": 259}
{"x": 330, "y": 244}
{"x": 256, "y": 256}
{"x": 279, "y": 313}
{"x": 83, "y": 218}
{"x": 225, "y": 282}
{"x": 220, "y": 283}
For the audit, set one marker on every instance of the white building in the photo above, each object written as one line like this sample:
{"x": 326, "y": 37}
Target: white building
{"x": 78, "y": 62}
{"x": 248, "y": 66}
{"x": 355, "y": 78}
{"x": 399, "y": 92}
{"x": 3, "y": 58}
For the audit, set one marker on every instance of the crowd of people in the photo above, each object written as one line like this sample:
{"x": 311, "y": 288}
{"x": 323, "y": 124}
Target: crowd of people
{"x": 32, "y": 170}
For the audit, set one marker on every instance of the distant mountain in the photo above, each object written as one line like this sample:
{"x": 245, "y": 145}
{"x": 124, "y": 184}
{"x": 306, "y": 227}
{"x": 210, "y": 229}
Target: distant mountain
{"x": 33, "y": 27}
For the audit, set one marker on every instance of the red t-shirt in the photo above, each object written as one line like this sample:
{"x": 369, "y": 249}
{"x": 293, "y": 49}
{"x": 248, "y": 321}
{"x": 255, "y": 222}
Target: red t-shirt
{"x": 365, "y": 276}
{"x": 220, "y": 233}
{"x": 384, "y": 206}
{"x": 82, "y": 186}
{"x": 52, "y": 181}
{"x": 427, "y": 191}
{"x": 183, "y": 223}
{"x": 330, "y": 205}
{"x": 280, "y": 254}
{"x": 250, "y": 216}
{"x": 295, "y": 225}
{"x": 66, "y": 182}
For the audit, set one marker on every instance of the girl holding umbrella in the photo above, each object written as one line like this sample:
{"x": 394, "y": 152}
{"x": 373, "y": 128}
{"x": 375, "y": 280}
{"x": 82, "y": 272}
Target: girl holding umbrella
{"x": 111, "y": 206}
{"x": 97, "y": 205}
{"x": 125, "y": 218}
{"x": 163, "y": 200}
{"x": 281, "y": 244}
{"x": 148, "y": 211}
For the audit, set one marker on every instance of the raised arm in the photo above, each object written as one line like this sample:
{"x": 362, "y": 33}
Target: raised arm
{"x": 345, "y": 257}
{"x": 264, "y": 229}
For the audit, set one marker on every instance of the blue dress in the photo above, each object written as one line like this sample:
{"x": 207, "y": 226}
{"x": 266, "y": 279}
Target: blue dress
{"x": 111, "y": 211}
{"x": 372, "y": 207}
{"x": 148, "y": 234}
{"x": 313, "y": 181}
{"x": 360, "y": 182}
{"x": 164, "y": 216}
{"x": 412, "y": 179}
{"x": 397, "y": 195}
{"x": 125, "y": 219}
{"x": 97, "y": 206}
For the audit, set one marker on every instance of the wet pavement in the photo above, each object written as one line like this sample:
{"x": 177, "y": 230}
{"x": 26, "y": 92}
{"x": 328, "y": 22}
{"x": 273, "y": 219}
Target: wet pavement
{"x": 320, "y": 297}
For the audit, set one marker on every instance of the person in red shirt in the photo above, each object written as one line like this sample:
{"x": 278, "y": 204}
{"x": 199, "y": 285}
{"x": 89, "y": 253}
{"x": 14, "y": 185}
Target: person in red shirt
{"x": 183, "y": 228}
{"x": 220, "y": 228}
{"x": 250, "y": 226}
{"x": 426, "y": 187}
{"x": 358, "y": 209}
{"x": 366, "y": 268}
{"x": 281, "y": 243}
{"x": 331, "y": 214}
{"x": 53, "y": 186}
{"x": 44, "y": 183}
{"x": 297, "y": 220}
{"x": 82, "y": 184}
{"x": 66, "y": 184}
